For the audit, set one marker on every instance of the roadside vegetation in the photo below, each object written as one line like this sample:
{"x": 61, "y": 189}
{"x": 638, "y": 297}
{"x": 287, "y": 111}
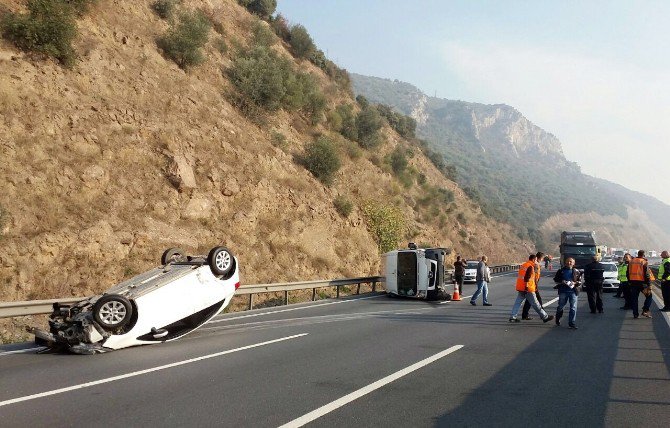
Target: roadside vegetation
{"x": 184, "y": 41}
{"x": 386, "y": 223}
{"x": 49, "y": 28}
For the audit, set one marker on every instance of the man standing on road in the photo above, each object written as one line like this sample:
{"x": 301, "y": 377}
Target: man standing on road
{"x": 525, "y": 286}
{"x": 483, "y": 279}
{"x": 459, "y": 272}
{"x": 638, "y": 279}
{"x": 624, "y": 287}
{"x": 526, "y": 306}
{"x": 664, "y": 277}
{"x": 593, "y": 279}
{"x": 567, "y": 279}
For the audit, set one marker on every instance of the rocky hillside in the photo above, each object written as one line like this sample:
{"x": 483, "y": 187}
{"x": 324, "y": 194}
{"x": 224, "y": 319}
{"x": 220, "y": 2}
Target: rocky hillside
{"x": 109, "y": 161}
{"x": 518, "y": 172}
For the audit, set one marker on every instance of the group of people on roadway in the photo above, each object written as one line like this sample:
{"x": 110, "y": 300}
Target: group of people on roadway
{"x": 634, "y": 274}
{"x": 635, "y": 277}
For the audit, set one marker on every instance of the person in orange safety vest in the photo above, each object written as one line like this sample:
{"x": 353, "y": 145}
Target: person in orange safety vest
{"x": 639, "y": 280}
{"x": 526, "y": 287}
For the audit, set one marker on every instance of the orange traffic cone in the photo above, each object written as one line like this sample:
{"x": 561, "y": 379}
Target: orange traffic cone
{"x": 456, "y": 296}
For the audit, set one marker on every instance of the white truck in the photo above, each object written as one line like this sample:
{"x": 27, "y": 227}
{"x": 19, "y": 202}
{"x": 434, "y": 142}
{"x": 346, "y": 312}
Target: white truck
{"x": 415, "y": 272}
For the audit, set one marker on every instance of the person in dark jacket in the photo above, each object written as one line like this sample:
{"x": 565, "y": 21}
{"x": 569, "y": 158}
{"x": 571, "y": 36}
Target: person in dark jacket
{"x": 483, "y": 279}
{"x": 664, "y": 277}
{"x": 567, "y": 281}
{"x": 593, "y": 281}
{"x": 459, "y": 272}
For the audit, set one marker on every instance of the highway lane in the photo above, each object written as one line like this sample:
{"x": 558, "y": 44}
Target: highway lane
{"x": 613, "y": 371}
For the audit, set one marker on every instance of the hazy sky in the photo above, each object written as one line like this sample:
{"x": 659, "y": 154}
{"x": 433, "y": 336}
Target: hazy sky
{"x": 594, "y": 73}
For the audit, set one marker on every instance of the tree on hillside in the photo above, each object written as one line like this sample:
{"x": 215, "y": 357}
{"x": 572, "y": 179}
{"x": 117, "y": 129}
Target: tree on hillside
{"x": 263, "y": 8}
{"x": 301, "y": 41}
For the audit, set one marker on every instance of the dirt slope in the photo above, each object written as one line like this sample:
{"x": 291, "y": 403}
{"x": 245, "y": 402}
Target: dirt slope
{"x": 105, "y": 165}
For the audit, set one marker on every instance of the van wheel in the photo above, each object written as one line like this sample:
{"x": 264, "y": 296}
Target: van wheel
{"x": 220, "y": 260}
{"x": 172, "y": 255}
{"x": 112, "y": 311}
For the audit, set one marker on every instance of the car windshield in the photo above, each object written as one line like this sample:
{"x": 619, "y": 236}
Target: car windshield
{"x": 472, "y": 265}
{"x": 579, "y": 250}
{"x": 609, "y": 267}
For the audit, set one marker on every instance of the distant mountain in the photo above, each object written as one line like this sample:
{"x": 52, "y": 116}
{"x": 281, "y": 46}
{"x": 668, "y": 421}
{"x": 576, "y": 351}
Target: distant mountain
{"x": 515, "y": 169}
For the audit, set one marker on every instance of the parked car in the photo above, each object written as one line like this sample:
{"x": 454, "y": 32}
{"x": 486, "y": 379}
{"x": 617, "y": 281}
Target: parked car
{"x": 471, "y": 271}
{"x": 610, "y": 276}
{"x": 157, "y": 306}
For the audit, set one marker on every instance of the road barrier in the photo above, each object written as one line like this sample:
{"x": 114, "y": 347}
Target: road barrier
{"x": 38, "y": 307}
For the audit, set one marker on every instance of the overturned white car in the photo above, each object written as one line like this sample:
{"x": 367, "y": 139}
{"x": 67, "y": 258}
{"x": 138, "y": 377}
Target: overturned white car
{"x": 162, "y": 304}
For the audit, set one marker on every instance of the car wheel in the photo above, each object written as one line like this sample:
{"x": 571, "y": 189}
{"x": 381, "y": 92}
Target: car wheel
{"x": 172, "y": 255}
{"x": 220, "y": 260}
{"x": 112, "y": 311}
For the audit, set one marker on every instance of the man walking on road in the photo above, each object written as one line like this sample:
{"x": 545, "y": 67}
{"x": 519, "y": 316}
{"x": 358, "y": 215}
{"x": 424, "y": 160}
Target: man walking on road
{"x": 567, "y": 279}
{"x": 483, "y": 279}
{"x": 664, "y": 277}
{"x": 639, "y": 279}
{"x": 594, "y": 279}
{"x": 624, "y": 287}
{"x": 525, "y": 286}
{"x": 526, "y": 306}
{"x": 459, "y": 272}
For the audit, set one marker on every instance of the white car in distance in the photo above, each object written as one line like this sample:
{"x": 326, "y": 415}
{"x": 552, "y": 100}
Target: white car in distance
{"x": 610, "y": 276}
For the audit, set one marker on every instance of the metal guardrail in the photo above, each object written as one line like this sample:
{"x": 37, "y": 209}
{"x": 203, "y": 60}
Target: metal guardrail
{"x": 38, "y": 307}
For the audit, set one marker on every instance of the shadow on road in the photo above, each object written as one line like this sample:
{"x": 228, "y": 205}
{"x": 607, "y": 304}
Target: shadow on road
{"x": 611, "y": 372}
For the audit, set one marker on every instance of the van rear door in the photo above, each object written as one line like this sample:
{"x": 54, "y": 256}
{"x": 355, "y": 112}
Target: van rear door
{"x": 407, "y": 273}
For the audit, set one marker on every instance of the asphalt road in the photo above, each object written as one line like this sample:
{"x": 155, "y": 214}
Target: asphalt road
{"x": 371, "y": 361}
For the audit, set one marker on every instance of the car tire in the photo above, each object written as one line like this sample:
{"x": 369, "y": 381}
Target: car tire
{"x": 112, "y": 311}
{"x": 172, "y": 255}
{"x": 221, "y": 261}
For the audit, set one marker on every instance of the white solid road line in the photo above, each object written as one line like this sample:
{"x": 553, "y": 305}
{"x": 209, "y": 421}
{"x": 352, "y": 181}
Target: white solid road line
{"x": 142, "y": 372}
{"x": 659, "y": 303}
{"x": 315, "y": 414}
{"x": 293, "y": 309}
{"x": 22, "y": 351}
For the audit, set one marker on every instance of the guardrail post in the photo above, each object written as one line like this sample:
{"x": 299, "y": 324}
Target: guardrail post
{"x": 358, "y": 288}
{"x": 286, "y": 297}
{"x": 313, "y": 294}
{"x": 251, "y": 301}
{"x": 374, "y": 286}
{"x": 337, "y": 293}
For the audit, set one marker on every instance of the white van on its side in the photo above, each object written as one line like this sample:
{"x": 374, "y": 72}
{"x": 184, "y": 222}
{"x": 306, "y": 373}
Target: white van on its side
{"x": 415, "y": 272}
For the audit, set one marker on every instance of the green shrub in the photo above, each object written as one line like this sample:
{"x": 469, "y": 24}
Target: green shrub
{"x": 48, "y": 28}
{"x": 403, "y": 125}
{"x": 386, "y": 223}
{"x": 352, "y": 149}
{"x": 301, "y": 42}
{"x": 371, "y": 141}
{"x": 280, "y": 26}
{"x": 262, "y": 8}
{"x": 398, "y": 160}
{"x": 278, "y": 139}
{"x": 421, "y": 179}
{"x": 322, "y": 160}
{"x": 259, "y": 76}
{"x": 263, "y": 36}
{"x": 164, "y": 8}
{"x": 183, "y": 42}
{"x": 343, "y": 206}
{"x": 221, "y": 45}
{"x": 80, "y": 6}
{"x": 268, "y": 80}
{"x": 368, "y": 122}
{"x": 348, "y": 129}
{"x": 461, "y": 218}
{"x": 363, "y": 102}
{"x": 334, "y": 120}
